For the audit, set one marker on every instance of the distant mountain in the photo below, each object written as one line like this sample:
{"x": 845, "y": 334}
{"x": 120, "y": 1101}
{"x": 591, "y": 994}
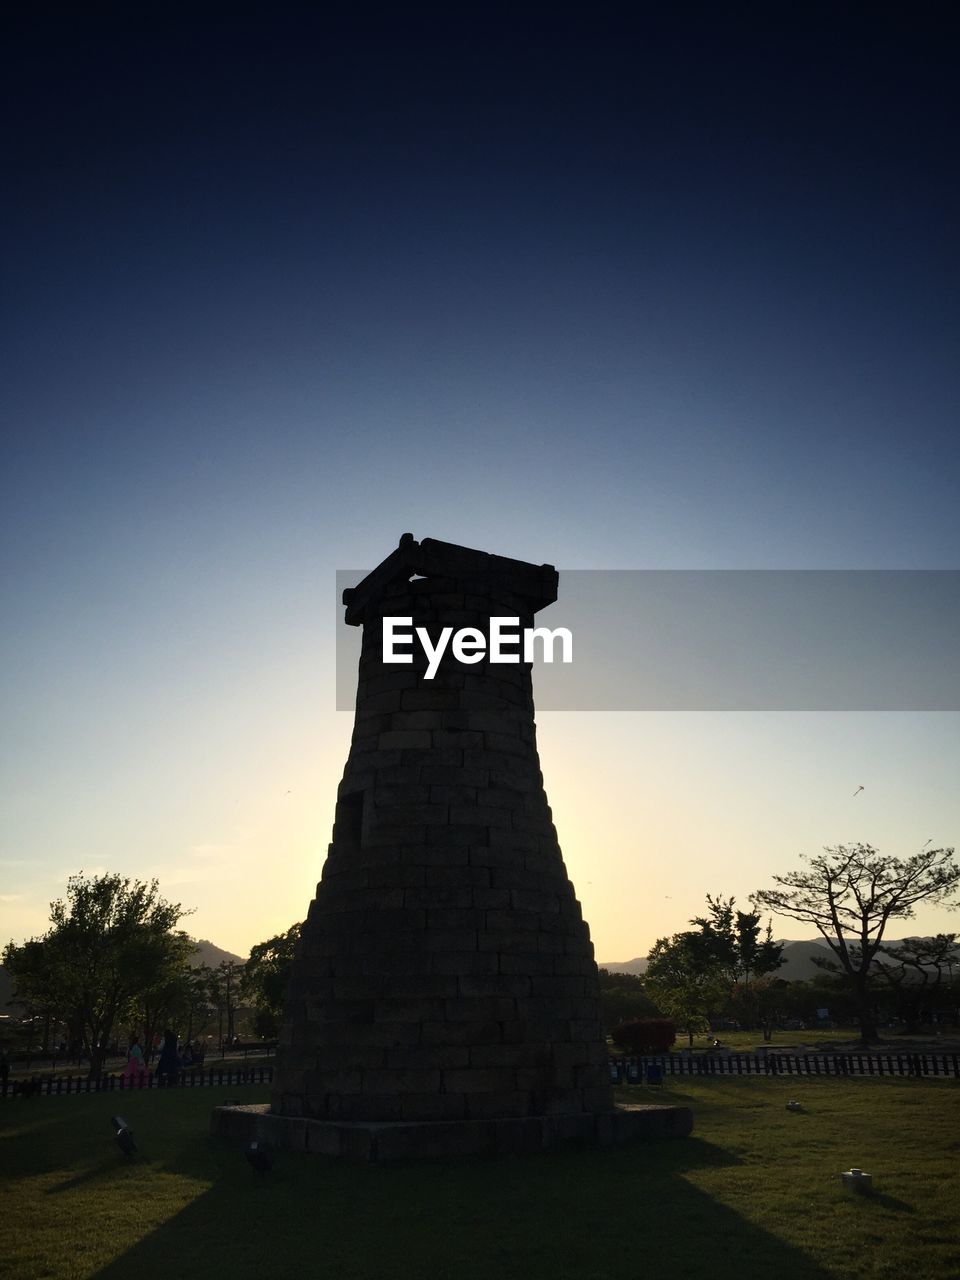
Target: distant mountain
{"x": 209, "y": 954}
{"x": 639, "y": 965}
{"x": 798, "y": 959}
{"x": 797, "y": 964}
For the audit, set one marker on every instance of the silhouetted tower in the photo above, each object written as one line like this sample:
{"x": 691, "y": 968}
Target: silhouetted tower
{"x": 444, "y": 971}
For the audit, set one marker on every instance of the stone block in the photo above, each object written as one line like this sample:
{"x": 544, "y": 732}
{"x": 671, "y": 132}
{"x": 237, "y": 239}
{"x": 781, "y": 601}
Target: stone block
{"x": 419, "y": 985}
{"x": 571, "y": 1128}
{"x": 401, "y": 739}
{"x": 391, "y": 678}
{"x": 480, "y": 1009}
{"x": 598, "y": 1097}
{"x": 401, "y": 1080}
{"x": 410, "y": 793}
{"x": 521, "y": 841}
{"x": 434, "y": 1106}
{"x": 480, "y": 1080}
{"x": 384, "y": 1035}
{"x": 458, "y": 877}
{"x": 448, "y": 853}
{"x": 420, "y": 699}
{"x": 410, "y": 815}
{"x": 536, "y": 900}
{"x": 356, "y": 988}
{"x": 505, "y": 744}
{"x": 394, "y": 834}
{"x": 341, "y": 1081}
{"x": 410, "y": 1010}
{"x": 458, "y": 834}
{"x": 454, "y": 795}
{"x": 510, "y": 1055}
{"x": 428, "y": 1057}
{"x": 398, "y": 776}
{"x": 522, "y": 922}
{"x": 368, "y": 1107}
{"x": 542, "y": 1079}
{"x": 530, "y": 963}
{"x": 494, "y": 984}
{"x": 480, "y": 815}
{"x": 497, "y": 1106}
{"x": 430, "y": 1141}
{"x": 462, "y": 963}
{"x": 326, "y": 1140}
{"x": 453, "y": 776}
{"x": 337, "y": 1057}
{"x": 459, "y": 739}
{"x": 447, "y": 919}
{"x": 449, "y": 940}
{"x": 435, "y": 758}
{"x": 460, "y": 1033}
{"x": 417, "y": 720}
{"x": 441, "y": 897}
{"x": 395, "y": 875}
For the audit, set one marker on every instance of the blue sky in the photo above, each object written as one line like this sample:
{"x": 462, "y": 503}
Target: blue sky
{"x": 611, "y": 291}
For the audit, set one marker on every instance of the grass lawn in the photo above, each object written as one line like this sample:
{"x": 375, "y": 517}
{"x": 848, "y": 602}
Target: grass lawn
{"x": 754, "y": 1191}
{"x": 748, "y": 1041}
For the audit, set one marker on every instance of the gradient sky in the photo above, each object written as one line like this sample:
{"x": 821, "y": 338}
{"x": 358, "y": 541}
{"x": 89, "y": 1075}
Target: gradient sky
{"x": 610, "y": 290}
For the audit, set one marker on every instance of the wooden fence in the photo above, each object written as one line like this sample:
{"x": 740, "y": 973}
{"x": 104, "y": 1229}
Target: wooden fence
{"x": 622, "y": 1071}
{"x": 634, "y": 1070}
{"x": 189, "y": 1079}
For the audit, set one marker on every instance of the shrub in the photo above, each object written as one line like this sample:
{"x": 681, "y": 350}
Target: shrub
{"x": 646, "y": 1035}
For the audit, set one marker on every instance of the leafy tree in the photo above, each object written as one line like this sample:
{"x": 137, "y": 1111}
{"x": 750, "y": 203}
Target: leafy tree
{"x": 916, "y": 975}
{"x": 623, "y": 998}
{"x": 107, "y": 942}
{"x": 35, "y": 968}
{"x": 685, "y": 978}
{"x": 167, "y": 998}
{"x": 225, "y": 991}
{"x": 734, "y": 939}
{"x": 265, "y": 977}
{"x": 849, "y": 894}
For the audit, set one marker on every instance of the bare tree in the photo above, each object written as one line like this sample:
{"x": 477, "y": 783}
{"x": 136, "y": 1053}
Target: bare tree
{"x": 849, "y": 894}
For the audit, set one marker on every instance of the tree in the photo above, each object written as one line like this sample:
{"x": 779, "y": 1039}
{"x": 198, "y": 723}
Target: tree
{"x": 169, "y": 995}
{"x": 106, "y": 944}
{"x": 685, "y": 979}
{"x": 916, "y": 976}
{"x": 732, "y": 939}
{"x": 265, "y": 978}
{"x": 849, "y": 894}
{"x": 623, "y": 998}
{"x": 224, "y": 993}
{"x": 35, "y": 969}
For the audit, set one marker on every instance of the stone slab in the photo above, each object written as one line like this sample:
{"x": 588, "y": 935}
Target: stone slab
{"x": 424, "y": 1140}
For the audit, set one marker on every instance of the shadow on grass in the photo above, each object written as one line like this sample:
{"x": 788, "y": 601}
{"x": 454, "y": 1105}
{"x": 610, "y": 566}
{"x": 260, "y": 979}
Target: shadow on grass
{"x": 890, "y": 1202}
{"x": 570, "y": 1215}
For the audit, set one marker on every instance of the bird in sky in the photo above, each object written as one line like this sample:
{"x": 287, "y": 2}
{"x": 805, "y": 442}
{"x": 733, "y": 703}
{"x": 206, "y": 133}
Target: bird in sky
{"x": 857, "y": 792}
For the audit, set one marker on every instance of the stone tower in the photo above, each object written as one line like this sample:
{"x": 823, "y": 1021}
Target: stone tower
{"x": 444, "y": 996}
{"x": 445, "y": 971}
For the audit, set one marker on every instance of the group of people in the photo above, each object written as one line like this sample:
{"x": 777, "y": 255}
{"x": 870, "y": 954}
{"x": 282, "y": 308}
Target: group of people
{"x": 172, "y": 1060}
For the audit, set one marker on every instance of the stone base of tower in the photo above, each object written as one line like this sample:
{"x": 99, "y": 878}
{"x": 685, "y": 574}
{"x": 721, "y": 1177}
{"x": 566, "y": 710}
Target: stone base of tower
{"x": 436, "y": 1139}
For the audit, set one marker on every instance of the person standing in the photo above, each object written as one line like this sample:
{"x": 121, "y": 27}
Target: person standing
{"x": 168, "y": 1064}
{"x": 133, "y": 1071}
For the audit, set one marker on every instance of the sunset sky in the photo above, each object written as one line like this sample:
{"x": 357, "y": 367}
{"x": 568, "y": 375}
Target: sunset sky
{"x": 613, "y": 290}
